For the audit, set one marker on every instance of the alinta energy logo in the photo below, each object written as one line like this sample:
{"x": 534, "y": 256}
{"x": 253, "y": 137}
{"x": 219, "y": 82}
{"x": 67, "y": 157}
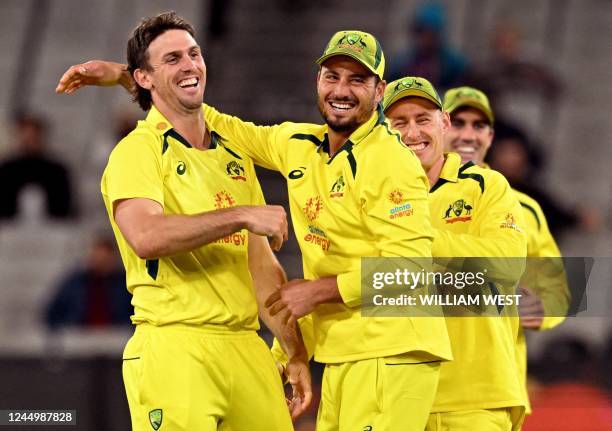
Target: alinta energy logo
{"x": 402, "y": 207}
{"x": 337, "y": 190}
{"x": 235, "y": 171}
{"x": 224, "y": 199}
{"x": 315, "y": 235}
{"x": 461, "y": 210}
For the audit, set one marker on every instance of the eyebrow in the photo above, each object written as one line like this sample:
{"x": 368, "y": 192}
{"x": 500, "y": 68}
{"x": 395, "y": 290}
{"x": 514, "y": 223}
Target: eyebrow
{"x": 178, "y": 52}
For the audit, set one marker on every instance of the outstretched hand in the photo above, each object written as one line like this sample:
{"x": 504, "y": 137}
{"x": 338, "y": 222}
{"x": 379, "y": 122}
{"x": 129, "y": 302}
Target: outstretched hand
{"x": 94, "y": 72}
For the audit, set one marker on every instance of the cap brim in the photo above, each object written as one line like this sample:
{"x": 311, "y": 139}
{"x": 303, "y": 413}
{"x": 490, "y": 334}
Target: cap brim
{"x": 413, "y": 92}
{"x": 347, "y": 54}
{"x": 476, "y": 105}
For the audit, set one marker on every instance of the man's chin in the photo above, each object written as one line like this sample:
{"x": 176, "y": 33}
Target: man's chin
{"x": 340, "y": 126}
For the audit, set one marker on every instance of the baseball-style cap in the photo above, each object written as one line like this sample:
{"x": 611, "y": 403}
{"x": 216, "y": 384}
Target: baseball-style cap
{"x": 358, "y": 45}
{"x": 410, "y": 86}
{"x": 468, "y": 96}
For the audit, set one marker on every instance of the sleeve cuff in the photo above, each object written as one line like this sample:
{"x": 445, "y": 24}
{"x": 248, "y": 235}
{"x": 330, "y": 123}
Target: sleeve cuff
{"x": 349, "y": 286}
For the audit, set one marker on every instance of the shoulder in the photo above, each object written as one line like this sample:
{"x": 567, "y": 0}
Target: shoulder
{"x": 487, "y": 179}
{"x": 142, "y": 139}
{"x": 531, "y": 207}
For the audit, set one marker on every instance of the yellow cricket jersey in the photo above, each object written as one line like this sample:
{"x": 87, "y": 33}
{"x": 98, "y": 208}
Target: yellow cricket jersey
{"x": 552, "y": 290}
{"x": 476, "y": 214}
{"x": 370, "y": 199}
{"x": 211, "y": 284}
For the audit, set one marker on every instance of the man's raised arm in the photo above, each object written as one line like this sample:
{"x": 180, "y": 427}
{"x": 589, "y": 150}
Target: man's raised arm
{"x": 95, "y": 72}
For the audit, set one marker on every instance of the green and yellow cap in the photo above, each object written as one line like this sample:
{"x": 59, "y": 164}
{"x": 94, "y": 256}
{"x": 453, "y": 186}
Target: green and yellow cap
{"x": 410, "y": 86}
{"x": 459, "y": 97}
{"x": 358, "y": 45}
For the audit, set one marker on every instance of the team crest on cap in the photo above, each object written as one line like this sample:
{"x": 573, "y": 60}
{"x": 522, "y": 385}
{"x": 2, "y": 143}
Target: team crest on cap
{"x": 407, "y": 83}
{"x": 224, "y": 199}
{"x": 461, "y": 209}
{"x": 313, "y": 207}
{"x": 352, "y": 39}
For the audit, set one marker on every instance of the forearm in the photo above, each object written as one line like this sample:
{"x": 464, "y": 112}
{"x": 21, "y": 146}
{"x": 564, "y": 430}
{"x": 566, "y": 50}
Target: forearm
{"x": 268, "y": 276}
{"x": 160, "y": 235}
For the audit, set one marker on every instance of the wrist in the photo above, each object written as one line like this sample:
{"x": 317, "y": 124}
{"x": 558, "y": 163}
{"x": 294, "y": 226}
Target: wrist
{"x": 326, "y": 291}
{"x": 125, "y": 78}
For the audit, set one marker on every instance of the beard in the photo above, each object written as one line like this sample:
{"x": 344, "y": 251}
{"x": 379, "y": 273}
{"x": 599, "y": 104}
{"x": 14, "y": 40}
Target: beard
{"x": 344, "y": 125}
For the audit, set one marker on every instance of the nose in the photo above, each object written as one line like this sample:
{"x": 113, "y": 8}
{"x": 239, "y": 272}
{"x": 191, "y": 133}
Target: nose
{"x": 188, "y": 63}
{"x": 411, "y": 132}
{"x": 341, "y": 89}
{"x": 467, "y": 134}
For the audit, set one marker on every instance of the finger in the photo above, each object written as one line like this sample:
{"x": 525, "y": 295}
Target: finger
{"x": 289, "y": 319}
{"x": 276, "y": 308}
{"x": 276, "y": 242}
{"x": 273, "y": 298}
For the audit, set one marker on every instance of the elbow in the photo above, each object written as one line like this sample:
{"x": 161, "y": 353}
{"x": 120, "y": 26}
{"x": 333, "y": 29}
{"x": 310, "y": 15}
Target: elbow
{"x": 146, "y": 249}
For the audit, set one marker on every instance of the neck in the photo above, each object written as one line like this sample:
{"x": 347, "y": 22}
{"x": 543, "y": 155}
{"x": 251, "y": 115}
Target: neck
{"x": 433, "y": 173}
{"x": 336, "y": 140}
{"x": 190, "y": 125}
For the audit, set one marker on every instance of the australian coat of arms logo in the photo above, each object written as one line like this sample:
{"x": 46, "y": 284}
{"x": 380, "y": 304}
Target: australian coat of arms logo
{"x": 235, "y": 170}
{"x": 459, "y": 210}
{"x": 337, "y": 190}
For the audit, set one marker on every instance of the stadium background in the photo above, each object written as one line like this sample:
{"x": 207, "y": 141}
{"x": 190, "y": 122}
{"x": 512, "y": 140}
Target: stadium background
{"x": 260, "y": 58}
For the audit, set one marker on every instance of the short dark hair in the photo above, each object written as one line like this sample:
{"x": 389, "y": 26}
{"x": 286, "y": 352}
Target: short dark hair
{"x": 146, "y": 32}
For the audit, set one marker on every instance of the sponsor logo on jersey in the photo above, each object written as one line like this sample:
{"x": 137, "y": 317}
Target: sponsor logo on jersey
{"x": 181, "y": 168}
{"x": 318, "y": 237}
{"x": 510, "y": 223}
{"x": 460, "y": 209}
{"x": 337, "y": 190}
{"x": 224, "y": 199}
{"x": 297, "y": 173}
{"x": 235, "y": 239}
{"x": 402, "y": 207}
{"x": 235, "y": 171}
{"x": 313, "y": 208}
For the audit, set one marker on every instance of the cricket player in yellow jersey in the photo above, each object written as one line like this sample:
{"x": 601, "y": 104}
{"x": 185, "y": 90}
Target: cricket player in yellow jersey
{"x": 188, "y": 212}
{"x": 381, "y": 373}
{"x": 471, "y": 135}
{"x": 475, "y": 214}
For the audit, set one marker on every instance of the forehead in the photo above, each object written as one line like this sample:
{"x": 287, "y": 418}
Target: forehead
{"x": 171, "y": 40}
{"x": 409, "y": 107}
{"x": 469, "y": 114}
{"x": 344, "y": 63}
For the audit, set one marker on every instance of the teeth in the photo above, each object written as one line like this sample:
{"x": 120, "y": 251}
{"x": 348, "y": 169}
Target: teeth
{"x": 344, "y": 106}
{"x": 187, "y": 82}
{"x": 466, "y": 149}
{"x": 417, "y": 147}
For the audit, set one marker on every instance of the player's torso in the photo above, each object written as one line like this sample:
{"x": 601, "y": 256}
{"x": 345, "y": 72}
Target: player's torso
{"x": 483, "y": 373}
{"x": 211, "y": 284}
{"x": 325, "y": 211}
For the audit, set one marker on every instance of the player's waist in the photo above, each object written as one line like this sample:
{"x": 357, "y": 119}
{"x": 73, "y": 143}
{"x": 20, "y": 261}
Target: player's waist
{"x": 208, "y": 329}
